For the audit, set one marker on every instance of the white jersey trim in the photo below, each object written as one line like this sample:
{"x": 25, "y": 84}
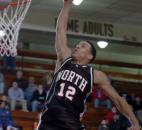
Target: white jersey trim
{"x": 91, "y": 72}
{"x": 92, "y": 80}
{"x": 53, "y": 90}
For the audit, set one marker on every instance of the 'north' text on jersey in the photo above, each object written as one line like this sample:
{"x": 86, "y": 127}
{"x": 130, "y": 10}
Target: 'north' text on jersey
{"x": 70, "y": 86}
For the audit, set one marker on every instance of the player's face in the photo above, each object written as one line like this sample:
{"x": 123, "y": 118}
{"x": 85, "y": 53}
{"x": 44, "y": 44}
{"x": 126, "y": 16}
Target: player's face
{"x": 82, "y": 51}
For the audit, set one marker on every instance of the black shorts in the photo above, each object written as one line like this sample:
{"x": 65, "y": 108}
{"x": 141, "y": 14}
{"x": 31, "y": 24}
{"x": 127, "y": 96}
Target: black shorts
{"x": 53, "y": 127}
{"x": 58, "y": 119}
{"x": 50, "y": 127}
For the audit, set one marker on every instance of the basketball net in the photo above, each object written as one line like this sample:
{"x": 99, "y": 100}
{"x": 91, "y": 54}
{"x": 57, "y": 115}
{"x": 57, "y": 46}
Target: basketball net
{"x": 11, "y": 18}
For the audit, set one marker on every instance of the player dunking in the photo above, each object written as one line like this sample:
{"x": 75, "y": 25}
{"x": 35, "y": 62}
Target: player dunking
{"x": 73, "y": 81}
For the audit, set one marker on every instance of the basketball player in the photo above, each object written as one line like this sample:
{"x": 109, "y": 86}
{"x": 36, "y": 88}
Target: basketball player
{"x": 73, "y": 81}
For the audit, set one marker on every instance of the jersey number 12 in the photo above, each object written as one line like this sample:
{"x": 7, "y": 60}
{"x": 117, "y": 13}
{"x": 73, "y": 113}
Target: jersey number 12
{"x": 70, "y": 92}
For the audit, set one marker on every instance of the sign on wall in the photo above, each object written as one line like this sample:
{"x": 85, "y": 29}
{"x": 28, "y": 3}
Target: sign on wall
{"x": 90, "y": 27}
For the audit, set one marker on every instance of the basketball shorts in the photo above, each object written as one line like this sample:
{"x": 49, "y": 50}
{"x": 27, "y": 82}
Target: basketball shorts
{"x": 59, "y": 119}
{"x": 53, "y": 127}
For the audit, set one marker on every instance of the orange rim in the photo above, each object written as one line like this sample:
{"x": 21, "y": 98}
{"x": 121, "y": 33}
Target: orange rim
{"x": 14, "y": 4}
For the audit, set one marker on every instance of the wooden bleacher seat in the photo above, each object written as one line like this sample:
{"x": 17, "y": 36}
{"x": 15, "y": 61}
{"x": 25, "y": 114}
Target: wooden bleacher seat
{"x": 89, "y": 105}
{"x": 25, "y": 119}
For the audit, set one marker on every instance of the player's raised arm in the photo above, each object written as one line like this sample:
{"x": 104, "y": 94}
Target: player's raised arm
{"x": 103, "y": 83}
{"x": 62, "y": 50}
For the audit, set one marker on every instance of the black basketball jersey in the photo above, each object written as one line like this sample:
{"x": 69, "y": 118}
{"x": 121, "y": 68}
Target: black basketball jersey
{"x": 71, "y": 85}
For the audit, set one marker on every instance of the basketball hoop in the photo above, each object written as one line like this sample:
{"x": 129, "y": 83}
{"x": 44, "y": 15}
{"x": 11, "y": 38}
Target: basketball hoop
{"x": 12, "y": 13}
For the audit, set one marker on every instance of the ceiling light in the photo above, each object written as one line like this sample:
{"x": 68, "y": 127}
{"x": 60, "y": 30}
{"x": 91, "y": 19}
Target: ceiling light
{"x": 102, "y": 44}
{"x": 77, "y": 2}
{"x": 2, "y": 33}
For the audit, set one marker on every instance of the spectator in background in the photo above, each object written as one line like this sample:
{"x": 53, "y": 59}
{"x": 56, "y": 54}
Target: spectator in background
{"x": 125, "y": 123}
{"x": 137, "y": 104}
{"x": 47, "y": 86}
{"x": 29, "y": 91}
{"x": 1, "y": 83}
{"x": 22, "y": 83}
{"x": 6, "y": 121}
{"x": 38, "y": 98}
{"x": 137, "y": 107}
{"x": 126, "y": 96}
{"x": 46, "y": 80}
{"x": 110, "y": 114}
{"x": 47, "y": 77}
{"x": 103, "y": 125}
{"x": 9, "y": 63}
{"x": 99, "y": 99}
{"x": 16, "y": 96}
{"x": 132, "y": 99}
{"x": 120, "y": 122}
{"x": 115, "y": 124}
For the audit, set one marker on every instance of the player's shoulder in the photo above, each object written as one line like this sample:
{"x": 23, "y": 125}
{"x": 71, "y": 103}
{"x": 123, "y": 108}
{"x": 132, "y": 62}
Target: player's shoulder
{"x": 98, "y": 73}
{"x": 100, "y": 77}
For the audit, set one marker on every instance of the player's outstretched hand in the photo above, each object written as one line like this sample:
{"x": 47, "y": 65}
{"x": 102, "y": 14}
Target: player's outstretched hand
{"x": 68, "y": 1}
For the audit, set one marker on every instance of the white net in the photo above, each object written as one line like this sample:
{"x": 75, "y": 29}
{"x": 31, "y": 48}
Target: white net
{"x": 11, "y": 18}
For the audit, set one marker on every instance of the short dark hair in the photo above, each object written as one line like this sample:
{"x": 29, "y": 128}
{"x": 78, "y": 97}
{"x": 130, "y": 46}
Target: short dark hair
{"x": 93, "y": 50}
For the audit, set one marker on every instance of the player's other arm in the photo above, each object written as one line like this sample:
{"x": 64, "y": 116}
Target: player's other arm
{"x": 62, "y": 49}
{"x": 103, "y": 83}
